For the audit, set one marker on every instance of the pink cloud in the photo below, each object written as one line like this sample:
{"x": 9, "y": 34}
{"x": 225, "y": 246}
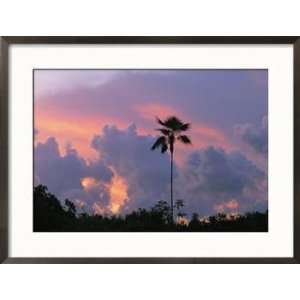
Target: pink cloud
{"x": 229, "y": 206}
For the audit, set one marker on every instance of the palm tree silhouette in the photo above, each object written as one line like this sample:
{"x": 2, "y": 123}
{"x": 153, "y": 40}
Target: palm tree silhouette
{"x": 171, "y": 131}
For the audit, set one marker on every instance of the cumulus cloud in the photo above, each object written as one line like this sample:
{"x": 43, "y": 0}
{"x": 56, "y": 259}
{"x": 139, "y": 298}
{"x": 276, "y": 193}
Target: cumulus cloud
{"x": 63, "y": 174}
{"x": 254, "y": 136}
{"x": 210, "y": 177}
{"x": 122, "y": 153}
{"x": 213, "y": 178}
{"x": 146, "y": 173}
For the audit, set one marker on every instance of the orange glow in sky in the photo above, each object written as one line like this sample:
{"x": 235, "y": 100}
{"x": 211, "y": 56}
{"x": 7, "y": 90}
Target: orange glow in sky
{"x": 88, "y": 183}
{"x": 71, "y": 129}
{"x": 118, "y": 193}
{"x": 231, "y": 205}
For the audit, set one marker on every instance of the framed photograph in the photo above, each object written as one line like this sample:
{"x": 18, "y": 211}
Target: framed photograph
{"x": 150, "y": 150}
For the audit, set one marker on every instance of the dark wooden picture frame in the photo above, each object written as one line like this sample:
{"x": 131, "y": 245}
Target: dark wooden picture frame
{"x": 6, "y": 42}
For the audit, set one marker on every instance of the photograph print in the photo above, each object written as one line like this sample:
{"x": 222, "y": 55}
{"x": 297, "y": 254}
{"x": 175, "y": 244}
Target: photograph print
{"x": 154, "y": 150}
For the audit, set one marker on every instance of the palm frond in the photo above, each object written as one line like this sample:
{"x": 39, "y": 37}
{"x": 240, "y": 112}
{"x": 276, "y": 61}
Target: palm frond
{"x": 184, "y": 139}
{"x": 164, "y": 148}
{"x": 159, "y": 121}
{"x": 164, "y": 131}
{"x": 160, "y": 142}
{"x": 173, "y": 123}
{"x": 185, "y": 127}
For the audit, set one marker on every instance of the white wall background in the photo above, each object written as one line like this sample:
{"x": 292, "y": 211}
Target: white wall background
{"x": 137, "y": 17}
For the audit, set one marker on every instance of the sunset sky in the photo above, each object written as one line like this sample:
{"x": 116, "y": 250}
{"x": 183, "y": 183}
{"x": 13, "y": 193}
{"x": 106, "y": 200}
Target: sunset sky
{"x": 94, "y": 130}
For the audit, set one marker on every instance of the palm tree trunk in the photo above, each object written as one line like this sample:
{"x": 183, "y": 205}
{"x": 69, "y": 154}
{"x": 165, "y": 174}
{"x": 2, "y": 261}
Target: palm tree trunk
{"x": 172, "y": 215}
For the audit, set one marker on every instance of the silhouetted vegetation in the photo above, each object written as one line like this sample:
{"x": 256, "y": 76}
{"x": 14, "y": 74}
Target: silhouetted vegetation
{"x": 51, "y": 216}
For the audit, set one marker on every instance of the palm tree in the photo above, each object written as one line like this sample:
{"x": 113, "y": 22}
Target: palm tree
{"x": 171, "y": 132}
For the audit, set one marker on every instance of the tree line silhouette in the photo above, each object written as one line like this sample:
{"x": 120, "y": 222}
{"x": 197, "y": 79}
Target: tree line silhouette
{"x": 51, "y": 216}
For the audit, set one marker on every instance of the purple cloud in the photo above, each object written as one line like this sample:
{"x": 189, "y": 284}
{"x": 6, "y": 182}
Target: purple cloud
{"x": 146, "y": 173}
{"x": 212, "y": 176}
{"x": 254, "y": 136}
{"x": 63, "y": 174}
